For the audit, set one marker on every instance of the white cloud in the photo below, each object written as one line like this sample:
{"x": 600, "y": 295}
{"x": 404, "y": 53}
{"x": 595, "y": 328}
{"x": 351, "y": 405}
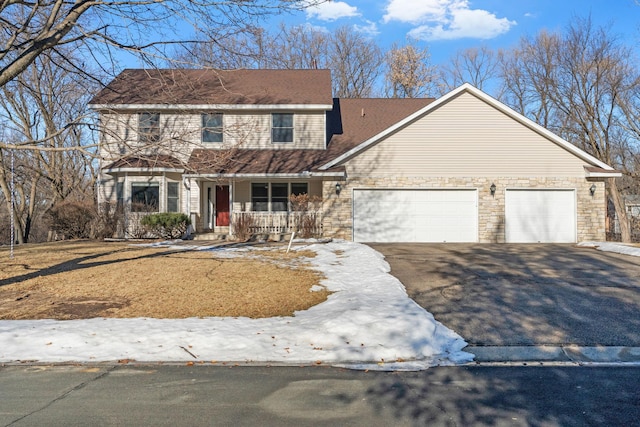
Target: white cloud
{"x": 330, "y": 11}
{"x": 370, "y": 29}
{"x": 446, "y": 19}
{"x": 415, "y": 11}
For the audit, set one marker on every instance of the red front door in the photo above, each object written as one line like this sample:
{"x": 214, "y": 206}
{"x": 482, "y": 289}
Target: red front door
{"x": 222, "y": 205}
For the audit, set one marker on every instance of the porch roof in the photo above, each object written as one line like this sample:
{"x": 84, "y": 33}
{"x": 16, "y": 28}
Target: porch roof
{"x": 157, "y": 162}
{"x": 255, "y": 161}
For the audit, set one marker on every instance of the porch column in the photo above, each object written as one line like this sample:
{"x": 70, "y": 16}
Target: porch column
{"x": 194, "y": 202}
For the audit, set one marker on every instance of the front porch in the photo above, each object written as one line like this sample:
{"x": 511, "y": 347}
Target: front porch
{"x": 243, "y": 209}
{"x": 269, "y": 225}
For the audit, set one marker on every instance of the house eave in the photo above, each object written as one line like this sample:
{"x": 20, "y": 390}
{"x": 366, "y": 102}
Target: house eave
{"x": 208, "y": 107}
{"x": 111, "y": 171}
{"x": 301, "y": 175}
{"x": 603, "y": 174}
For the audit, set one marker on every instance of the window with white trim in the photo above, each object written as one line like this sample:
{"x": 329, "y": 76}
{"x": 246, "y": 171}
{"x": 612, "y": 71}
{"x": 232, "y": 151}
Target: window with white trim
{"x": 281, "y": 128}
{"x": 173, "y": 197}
{"x": 149, "y": 127}
{"x": 145, "y": 197}
{"x": 212, "y": 129}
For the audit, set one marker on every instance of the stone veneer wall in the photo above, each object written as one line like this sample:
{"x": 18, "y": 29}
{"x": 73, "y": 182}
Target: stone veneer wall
{"x": 338, "y": 216}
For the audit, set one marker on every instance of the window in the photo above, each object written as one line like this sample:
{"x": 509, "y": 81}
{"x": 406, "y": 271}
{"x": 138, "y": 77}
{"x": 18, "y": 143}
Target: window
{"x": 281, "y": 127}
{"x": 212, "y": 127}
{"x": 145, "y": 196}
{"x": 149, "y": 127}
{"x": 260, "y": 197}
{"x": 120, "y": 194}
{"x": 298, "y": 188}
{"x": 173, "y": 197}
{"x": 279, "y": 196}
{"x": 274, "y": 197}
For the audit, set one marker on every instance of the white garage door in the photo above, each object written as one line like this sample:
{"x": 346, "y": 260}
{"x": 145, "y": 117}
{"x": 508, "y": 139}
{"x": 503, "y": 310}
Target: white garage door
{"x": 415, "y": 216}
{"x": 547, "y": 216}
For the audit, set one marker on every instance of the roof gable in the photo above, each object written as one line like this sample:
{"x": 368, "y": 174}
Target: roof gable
{"x": 466, "y": 88}
{"x": 187, "y": 87}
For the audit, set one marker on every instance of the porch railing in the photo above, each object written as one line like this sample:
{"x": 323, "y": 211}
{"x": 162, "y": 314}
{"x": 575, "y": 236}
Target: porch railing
{"x": 281, "y": 222}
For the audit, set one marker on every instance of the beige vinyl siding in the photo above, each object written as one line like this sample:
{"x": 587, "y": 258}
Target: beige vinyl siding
{"x": 309, "y": 130}
{"x": 116, "y": 130}
{"x": 107, "y": 189}
{"x": 242, "y": 195}
{"x": 466, "y": 137}
{"x": 180, "y": 132}
{"x": 253, "y": 130}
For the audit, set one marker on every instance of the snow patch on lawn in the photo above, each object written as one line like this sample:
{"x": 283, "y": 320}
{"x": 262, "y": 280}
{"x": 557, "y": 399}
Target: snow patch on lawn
{"x": 368, "y": 322}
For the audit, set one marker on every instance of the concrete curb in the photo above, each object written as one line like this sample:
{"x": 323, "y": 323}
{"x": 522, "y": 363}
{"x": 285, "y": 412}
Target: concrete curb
{"x": 543, "y": 353}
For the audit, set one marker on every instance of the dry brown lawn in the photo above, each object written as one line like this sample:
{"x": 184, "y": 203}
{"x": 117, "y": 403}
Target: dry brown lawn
{"x": 83, "y": 279}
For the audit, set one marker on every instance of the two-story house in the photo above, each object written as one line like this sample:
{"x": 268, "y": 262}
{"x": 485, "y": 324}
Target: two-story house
{"x": 218, "y": 145}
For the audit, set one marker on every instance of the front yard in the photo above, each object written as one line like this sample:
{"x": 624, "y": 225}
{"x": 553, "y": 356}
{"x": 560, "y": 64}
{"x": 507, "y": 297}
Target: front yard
{"x": 84, "y": 279}
{"x": 182, "y": 304}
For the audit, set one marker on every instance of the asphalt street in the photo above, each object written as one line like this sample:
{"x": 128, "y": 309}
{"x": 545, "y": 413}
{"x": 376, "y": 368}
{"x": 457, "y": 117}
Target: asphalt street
{"x": 163, "y": 395}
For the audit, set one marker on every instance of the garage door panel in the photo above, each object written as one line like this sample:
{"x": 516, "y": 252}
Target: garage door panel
{"x": 546, "y": 216}
{"x": 415, "y": 215}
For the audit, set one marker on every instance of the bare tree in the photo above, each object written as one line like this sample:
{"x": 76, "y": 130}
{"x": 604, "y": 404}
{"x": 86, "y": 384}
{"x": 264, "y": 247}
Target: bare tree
{"x": 477, "y": 66}
{"x": 528, "y": 74}
{"x": 300, "y": 47}
{"x": 355, "y": 62}
{"x": 581, "y": 86}
{"x": 409, "y": 74}
{"x": 141, "y": 27}
{"x": 37, "y": 106}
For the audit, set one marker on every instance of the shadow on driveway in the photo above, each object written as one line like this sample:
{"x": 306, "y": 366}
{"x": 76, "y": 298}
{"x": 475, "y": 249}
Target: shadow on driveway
{"x": 523, "y": 294}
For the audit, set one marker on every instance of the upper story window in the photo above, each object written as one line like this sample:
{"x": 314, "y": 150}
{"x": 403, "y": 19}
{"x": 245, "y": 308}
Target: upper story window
{"x": 212, "y": 127}
{"x": 281, "y": 127}
{"x": 149, "y": 127}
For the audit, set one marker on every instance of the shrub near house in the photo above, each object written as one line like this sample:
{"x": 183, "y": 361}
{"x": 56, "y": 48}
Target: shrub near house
{"x": 166, "y": 225}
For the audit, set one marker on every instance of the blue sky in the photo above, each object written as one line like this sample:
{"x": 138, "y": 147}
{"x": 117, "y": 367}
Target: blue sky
{"x": 445, "y": 26}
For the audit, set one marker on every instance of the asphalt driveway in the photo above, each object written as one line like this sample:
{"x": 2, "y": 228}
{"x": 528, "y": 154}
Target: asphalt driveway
{"x": 510, "y": 295}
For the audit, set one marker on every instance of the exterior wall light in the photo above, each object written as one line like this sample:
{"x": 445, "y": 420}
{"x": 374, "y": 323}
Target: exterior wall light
{"x": 593, "y": 189}
{"x": 338, "y": 188}
{"x": 493, "y": 189}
